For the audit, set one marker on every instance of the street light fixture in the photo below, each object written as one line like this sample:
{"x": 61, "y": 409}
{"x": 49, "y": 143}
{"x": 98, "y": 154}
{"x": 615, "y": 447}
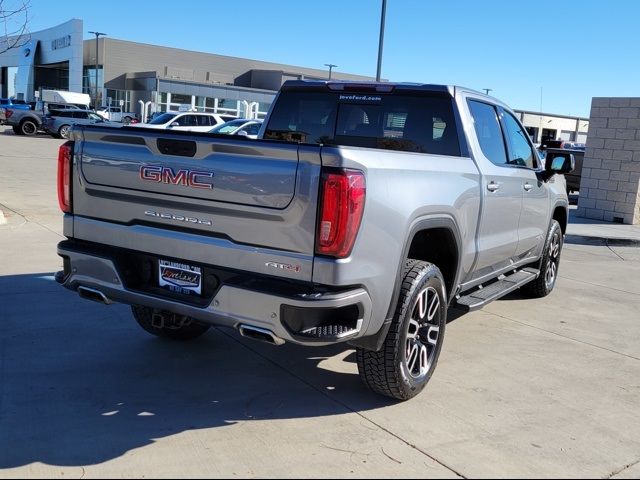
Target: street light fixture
{"x": 381, "y": 44}
{"x": 331, "y": 67}
{"x": 98, "y": 35}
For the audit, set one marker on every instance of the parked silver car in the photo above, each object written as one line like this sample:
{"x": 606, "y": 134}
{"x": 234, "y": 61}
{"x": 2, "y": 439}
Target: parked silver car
{"x": 58, "y": 123}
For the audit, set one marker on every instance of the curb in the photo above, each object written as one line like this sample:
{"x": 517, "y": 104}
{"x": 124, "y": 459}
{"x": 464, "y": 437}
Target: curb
{"x": 604, "y": 241}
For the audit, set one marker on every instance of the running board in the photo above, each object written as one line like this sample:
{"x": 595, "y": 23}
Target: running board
{"x": 482, "y": 296}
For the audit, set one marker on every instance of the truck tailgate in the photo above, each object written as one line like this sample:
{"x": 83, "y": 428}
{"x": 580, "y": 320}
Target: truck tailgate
{"x": 249, "y": 193}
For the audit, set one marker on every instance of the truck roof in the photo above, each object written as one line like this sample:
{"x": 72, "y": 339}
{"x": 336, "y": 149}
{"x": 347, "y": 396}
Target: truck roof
{"x": 384, "y": 87}
{"x": 380, "y": 87}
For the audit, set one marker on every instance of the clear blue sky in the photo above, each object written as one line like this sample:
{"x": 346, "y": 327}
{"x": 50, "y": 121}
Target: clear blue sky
{"x": 567, "y": 47}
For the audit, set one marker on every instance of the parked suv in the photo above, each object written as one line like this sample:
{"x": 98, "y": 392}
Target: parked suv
{"x": 30, "y": 122}
{"x": 58, "y": 123}
{"x": 361, "y": 215}
{"x": 186, "y": 122}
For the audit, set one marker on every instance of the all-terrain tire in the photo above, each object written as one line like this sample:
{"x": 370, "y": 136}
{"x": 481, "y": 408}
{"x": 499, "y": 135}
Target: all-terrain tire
{"x": 419, "y": 322}
{"x": 549, "y": 265}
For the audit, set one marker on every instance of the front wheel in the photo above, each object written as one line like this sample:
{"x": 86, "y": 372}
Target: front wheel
{"x": 408, "y": 358}
{"x": 174, "y": 327}
{"x": 127, "y": 120}
{"x": 550, "y": 264}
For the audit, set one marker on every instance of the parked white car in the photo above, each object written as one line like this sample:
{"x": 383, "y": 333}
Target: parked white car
{"x": 187, "y": 121}
{"x": 242, "y": 126}
{"x": 115, "y": 114}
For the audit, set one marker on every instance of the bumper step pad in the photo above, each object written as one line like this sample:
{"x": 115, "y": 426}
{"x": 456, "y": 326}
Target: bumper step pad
{"x": 327, "y": 331}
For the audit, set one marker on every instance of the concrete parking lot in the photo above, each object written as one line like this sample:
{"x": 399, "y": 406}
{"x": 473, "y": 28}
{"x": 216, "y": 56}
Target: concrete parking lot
{"x": 524, "y": 388}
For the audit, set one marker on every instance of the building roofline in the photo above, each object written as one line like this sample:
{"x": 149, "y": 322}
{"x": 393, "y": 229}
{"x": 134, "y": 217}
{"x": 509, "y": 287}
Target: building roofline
{"x": 262, "y": 64}
{"x": 556, "y": 115}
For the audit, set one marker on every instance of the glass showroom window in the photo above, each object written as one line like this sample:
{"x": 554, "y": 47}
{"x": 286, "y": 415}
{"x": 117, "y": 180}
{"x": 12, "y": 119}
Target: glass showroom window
{"x": 229, "y": 106}
{"x": 263, "y": 109}
{"x": 163, "y": 102}
{"x": 210, "y": 105}
{"x": 199, "y": 103}
{"x": 89, "y": 83}
{"x": 116, "y": 96}
{"x": 178, "y": 100}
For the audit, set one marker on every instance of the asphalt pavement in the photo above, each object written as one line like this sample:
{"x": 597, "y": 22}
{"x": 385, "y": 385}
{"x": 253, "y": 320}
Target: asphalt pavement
{"x": 524, "y": 388}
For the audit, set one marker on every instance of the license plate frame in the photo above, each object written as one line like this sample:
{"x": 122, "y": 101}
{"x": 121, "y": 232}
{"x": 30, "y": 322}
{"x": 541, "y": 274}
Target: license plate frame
{"x": 180, "y": 277}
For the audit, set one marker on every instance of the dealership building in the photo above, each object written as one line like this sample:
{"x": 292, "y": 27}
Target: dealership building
{"x": 128, "y": 73}
{"x": 547, "y": 126}
{"x": 158, "y": 78}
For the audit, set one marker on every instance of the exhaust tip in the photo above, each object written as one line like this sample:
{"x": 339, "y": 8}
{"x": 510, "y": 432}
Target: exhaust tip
{"x": 93, "y": 295}
{"x": 260, "y": 334}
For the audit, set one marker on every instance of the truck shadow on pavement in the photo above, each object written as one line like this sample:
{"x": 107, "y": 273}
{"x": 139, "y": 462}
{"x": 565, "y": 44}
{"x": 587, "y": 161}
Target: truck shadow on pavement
{"x": 81, "y": 383}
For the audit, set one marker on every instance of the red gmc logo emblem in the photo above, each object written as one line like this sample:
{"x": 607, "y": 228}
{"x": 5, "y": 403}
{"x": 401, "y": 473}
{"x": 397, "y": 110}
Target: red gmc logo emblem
{"x": 184, "y": 177}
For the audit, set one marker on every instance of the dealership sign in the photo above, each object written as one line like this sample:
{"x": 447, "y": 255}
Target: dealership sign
{"x": 62, "y": 42}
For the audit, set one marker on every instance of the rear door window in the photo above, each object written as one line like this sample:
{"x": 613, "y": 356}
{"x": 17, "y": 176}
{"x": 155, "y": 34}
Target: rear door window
{"x": 488, "y": 131}
{"x": 203, "y": 120}
{"x": 411, "y": 123}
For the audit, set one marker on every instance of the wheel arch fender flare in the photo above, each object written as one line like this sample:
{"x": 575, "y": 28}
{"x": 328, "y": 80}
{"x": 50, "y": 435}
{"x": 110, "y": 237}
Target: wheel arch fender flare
{"x": 430, "y": 222}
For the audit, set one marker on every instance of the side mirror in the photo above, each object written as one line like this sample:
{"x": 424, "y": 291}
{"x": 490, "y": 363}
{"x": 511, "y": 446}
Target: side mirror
{"x": 243, "y": 133}
{"x": 174, "y": 124}
{"x": 558, "y": 164}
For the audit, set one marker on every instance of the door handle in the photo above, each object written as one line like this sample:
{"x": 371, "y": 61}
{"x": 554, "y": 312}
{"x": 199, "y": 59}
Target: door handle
{"x": 493, "y": 186}
{"x": 528, "y": 187}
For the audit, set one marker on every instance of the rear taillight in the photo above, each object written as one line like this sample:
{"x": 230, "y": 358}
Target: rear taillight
{"x": 65, "y": 164}
{"x": 342, "y": 197}
{"x": 8, "y": 113}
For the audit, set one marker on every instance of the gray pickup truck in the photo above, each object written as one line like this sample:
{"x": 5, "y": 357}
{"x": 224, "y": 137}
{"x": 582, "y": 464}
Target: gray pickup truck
{"x": 360, "y": 215}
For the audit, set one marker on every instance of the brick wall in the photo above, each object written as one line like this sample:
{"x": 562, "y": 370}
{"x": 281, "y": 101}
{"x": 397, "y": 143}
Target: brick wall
{"x": 610, "y": 184}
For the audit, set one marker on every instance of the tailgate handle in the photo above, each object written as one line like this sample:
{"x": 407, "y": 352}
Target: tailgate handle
{"x": 181, "y": 148}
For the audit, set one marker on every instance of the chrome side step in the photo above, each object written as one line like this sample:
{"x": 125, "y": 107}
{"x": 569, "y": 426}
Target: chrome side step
{"x": 480, "y": 297}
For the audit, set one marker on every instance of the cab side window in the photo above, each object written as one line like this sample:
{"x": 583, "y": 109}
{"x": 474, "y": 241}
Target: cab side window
{"x": 488, "y": 131}
{"x": 521, "y": 154}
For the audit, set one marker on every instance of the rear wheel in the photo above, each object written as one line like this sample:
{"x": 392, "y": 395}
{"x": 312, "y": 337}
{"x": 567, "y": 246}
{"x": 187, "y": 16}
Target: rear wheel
{"x": 64, "y": 131}
{"x": 28, "y": 128}
{"x": 408, "y": 358}
{"x": 17, "y": 130}
{"x": 127, "y": 120}
{"x": 168, "y": 325}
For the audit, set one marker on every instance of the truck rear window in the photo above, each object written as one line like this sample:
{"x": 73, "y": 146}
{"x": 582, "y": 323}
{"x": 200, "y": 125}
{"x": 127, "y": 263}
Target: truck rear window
{"x": 410, "y": 123}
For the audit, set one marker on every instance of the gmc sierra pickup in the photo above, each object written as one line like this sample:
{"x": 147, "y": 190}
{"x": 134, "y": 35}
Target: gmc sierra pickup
{"x": 360, "y": 215}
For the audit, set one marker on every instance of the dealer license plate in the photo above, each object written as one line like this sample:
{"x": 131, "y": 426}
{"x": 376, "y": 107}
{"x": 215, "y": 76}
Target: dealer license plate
{"x": 180, "y": 278}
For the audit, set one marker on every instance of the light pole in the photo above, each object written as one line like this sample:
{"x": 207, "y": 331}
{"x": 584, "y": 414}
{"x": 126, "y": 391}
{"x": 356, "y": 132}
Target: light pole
{"x": 331, "y": 67}
{"x": 381, "y": 44}
{"x": 98, "y": 35}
